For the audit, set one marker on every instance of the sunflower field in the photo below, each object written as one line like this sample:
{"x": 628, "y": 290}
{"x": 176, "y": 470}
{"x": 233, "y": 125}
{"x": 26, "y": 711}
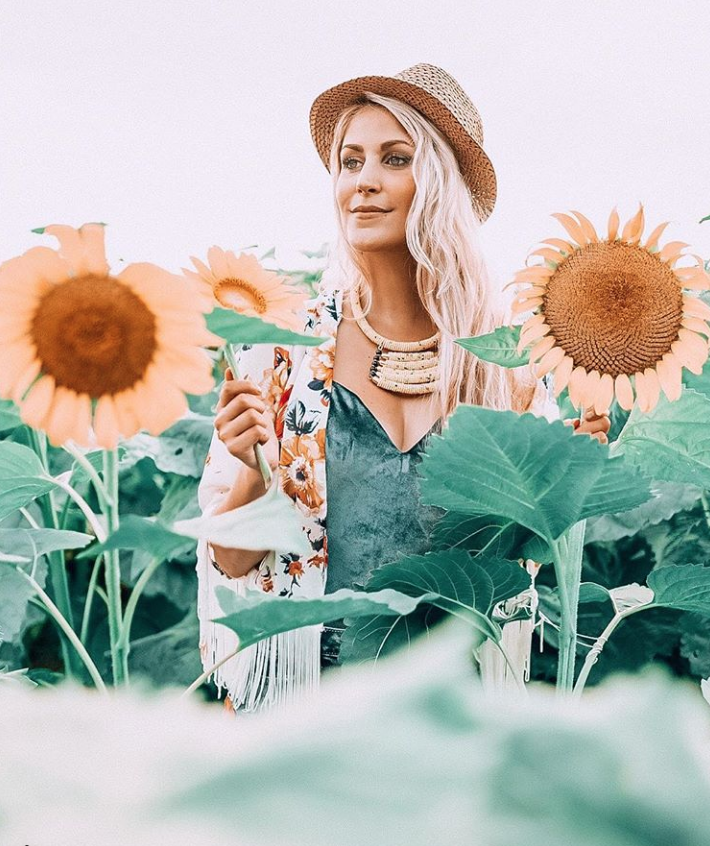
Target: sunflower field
{"x": 597, "y": 555}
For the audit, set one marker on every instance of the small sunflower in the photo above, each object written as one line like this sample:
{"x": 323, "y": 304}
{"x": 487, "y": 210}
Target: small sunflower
{"x": 611, "y": 318}
{"x": 82, "y": 349}
{"x": 243, "y": 285}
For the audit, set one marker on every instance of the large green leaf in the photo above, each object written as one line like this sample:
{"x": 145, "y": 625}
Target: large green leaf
{"x": 668, "y": 499}
{"x": 522, "y": 467}
{"x": 35, "y": 542}
{"x": 238, "y": 329}
{"x": 269, "y": 522}
{"x": 496, "y": 536}
{"x": 258, "y": 616}
{"x": 168, "y": 657}
{"x": 144, "y": 534}
{"x": 453, "y": 580}
{"x": 499, "y": 347}
{"x": 672, "y": 442}
{"x": 685, "y": 587}
{"x": 22, "y": 477}
{"x": 181, "y": 449}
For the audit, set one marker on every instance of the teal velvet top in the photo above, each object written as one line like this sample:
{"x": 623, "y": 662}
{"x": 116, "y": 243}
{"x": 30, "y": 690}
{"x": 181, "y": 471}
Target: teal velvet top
{"x": 374, "y": 510}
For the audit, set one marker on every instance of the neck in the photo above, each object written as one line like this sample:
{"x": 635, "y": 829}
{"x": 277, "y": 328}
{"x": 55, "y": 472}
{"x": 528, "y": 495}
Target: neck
{"x": 397, "y": 312}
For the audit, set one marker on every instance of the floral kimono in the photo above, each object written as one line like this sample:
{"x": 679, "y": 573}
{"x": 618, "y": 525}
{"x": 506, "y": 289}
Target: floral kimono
{"x": 296, "y": 383}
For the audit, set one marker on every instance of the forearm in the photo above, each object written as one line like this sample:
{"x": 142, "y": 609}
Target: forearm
{"x": 248, "y": 487}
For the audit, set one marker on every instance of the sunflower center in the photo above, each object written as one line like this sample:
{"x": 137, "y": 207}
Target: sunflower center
{"x": 94, "y": 335}
{"x": 240, "y": 294}
{"x": 615, "y": 308}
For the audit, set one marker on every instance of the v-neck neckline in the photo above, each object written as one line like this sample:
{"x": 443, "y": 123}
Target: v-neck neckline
{"x": 381, "y": 426}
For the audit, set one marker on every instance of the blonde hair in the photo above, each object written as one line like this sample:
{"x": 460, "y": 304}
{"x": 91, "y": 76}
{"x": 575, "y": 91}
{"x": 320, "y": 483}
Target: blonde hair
{"x": 452, "y": 278}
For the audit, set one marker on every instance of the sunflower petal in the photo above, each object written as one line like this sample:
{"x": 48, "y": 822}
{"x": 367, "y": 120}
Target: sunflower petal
{"x": 624, "y": 391}
{"x": 669, "y": 376}
{"x": 575, "y": 385}
{"x": 653, "y": 386}
{"x": 698, "y": 344}
{"x": 672, "y": 251}
{"x": 643, "y": 393}
{"x": 688, "y": 357}
{"x": 613, "y": 225}
{"x": 587, "y": 227}
{"x": 541, "y": 347}
{"x": 655, "y": 236}
{"x": 532, "y": 333}
{"x": 605, "y": 394}
{"x": 83, "y": 248}
{"x": 533, "y": 273}
{"x": 548, "y": 361}
{"x": 33, "y": 410}
{"x": 589, "y": 388}
{"x": 573, "y": 228}
{"x": 696, "y": 325}
{"x": 562, "y": 373}
{"x": 695, "y": 307}
{"x": 560, "y": 244}
{"x": 551, "y": 255}
{"x": 106, "y": 423}
{"x": 519, "y": 306}
{"x": 634, "y": 227}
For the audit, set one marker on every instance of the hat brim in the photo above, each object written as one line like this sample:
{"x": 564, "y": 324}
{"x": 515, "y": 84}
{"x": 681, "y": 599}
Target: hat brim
{"x": 475, "y": 165}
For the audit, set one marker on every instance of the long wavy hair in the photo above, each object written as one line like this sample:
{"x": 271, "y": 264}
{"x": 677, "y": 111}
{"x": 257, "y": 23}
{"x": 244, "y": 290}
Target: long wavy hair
{"x": 452, "y": 279}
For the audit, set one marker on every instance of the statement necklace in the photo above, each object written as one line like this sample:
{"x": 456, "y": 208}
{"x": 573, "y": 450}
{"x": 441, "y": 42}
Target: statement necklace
{"x": 402, "y": 367}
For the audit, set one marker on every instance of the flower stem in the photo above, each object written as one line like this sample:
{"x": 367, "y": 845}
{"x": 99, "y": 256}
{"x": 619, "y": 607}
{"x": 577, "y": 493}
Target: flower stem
{"x": 119, "y": 657}
{"x": 204, "y": 676}
{"x": 70, "y": 634}
{"x": 567, "y": 558}
{"x": 258, "y": 451}
{"x": 133, "y": 601}
{"x": 57, "y": 567}
{"x": 84, "y": 507}
{"x": 90, "y": 598}
{"x": 90, "y": 471}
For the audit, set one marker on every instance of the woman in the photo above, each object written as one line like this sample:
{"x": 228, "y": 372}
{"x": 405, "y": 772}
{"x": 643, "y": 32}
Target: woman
{"x": 412, "y": 185}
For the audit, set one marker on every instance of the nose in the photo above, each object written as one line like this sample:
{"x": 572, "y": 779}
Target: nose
{"x": 367, "y": 181}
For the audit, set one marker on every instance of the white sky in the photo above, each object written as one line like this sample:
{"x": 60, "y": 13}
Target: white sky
{"x": 185, "y": 124}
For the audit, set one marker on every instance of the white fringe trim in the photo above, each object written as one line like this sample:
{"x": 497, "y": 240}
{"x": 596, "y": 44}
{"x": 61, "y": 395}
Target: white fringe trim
{"x": 275, "y": 672}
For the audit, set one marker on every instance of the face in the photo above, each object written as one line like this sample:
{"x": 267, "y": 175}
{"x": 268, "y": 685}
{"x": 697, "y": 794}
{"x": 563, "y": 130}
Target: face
{"x": 375, "y": 172}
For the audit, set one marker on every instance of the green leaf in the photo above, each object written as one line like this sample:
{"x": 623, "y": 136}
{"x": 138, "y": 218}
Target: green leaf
{"x": 259, "y": 616}
{"x": 181, "y": 449}
{"x": 9, "y": 416}
{"x": 498, "y": 347}
{"x": 35, "y": 542}
{"x": 15, "y": 594}
{"x": 238, "y": 329}
{"x": 22, "y": 477}
{"x": 685, "y": 587}
{"x": 452, "y": 580}
{"x": 144, "y": 534}
{"x": 168, "y": 657}
{"x": 672, "y": 442}
{"x": 522, "y": 467}
{"x": 668, "y": 499}
{"x": 269, "y": 522}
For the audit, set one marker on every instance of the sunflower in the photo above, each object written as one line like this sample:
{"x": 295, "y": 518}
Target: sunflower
{"x": 611, "y": 318}
{"x": 243, "y": 285}
{"x": 81, "y": 348}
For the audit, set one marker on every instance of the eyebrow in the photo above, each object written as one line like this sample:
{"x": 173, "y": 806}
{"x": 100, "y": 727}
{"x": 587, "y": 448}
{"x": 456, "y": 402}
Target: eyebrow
{"x": 385, "y": 145}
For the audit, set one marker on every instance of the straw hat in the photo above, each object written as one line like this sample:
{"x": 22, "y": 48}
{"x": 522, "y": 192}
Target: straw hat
{"x": 438, "y": 96}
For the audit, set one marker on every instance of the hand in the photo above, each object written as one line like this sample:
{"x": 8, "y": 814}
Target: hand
{"x": 242, "y": 421}
{"x": 596, "y": 425}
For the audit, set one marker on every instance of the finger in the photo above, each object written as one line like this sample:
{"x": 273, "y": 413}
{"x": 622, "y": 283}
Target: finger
{"x": 233, "y": 387}
{"x": 235, "y": 425}
{"x": 592, "y": 426}
{"x": 238, "y": 405}
{"x": 245, "y": 442}
{"x": 601, "y": 437}
{"x": 228, "y": 375}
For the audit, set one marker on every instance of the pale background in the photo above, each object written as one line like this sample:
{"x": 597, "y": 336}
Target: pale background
{"x": 185, "y": 124}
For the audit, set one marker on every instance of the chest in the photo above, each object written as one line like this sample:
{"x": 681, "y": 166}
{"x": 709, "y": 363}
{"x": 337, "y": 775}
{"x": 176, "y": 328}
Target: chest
{"x": 405, "y": 419}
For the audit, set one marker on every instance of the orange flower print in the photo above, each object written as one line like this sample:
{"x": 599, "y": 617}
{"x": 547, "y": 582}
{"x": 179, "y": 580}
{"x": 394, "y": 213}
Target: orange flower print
{"x": 281, "y": 412}
{"x": 321, "y": 364}
{"x": 276, "y": 382}
{"x": 295, "y": 568}
{"x": 298, "y": 480}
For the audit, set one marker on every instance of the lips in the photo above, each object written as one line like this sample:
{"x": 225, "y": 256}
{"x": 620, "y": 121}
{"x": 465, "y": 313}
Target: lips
{"x": 369, "y": 210}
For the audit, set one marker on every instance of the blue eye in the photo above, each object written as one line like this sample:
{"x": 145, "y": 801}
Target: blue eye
{"x": 403, "y": 159}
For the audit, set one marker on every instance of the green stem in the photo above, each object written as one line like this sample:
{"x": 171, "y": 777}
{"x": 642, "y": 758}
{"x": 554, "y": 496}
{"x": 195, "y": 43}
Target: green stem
{"x": 84, "y": 507}
{"x": 599, "y": 644}
{"x": 119, "y": 658}
{"x": 567, "y": 558}
{"x": 258, "y": 450}
{"x": 90, "y": 598}
{"x": 57, "y": 567}
{"x": 91, "y": 472}
{"x": 204, "y": 676}
{"x": 133, "y": 601}
{"x": 706, "y": 507}
{"x": 69, "y": 633}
